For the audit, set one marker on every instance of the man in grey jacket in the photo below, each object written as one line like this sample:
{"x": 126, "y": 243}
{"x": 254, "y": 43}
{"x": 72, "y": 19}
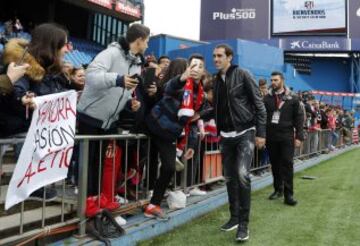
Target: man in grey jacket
{"x": 110, "y": 81}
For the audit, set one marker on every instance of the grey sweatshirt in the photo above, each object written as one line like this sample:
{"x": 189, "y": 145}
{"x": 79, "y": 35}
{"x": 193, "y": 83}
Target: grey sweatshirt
{"x": 104, "y": 97}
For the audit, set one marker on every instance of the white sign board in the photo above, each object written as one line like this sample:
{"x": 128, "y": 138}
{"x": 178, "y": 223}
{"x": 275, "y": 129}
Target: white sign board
{"x": 47, "y": 150}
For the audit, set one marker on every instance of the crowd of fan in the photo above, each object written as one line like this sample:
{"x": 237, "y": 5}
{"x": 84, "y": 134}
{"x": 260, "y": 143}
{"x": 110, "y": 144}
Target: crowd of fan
{"x": 36, "y": 68}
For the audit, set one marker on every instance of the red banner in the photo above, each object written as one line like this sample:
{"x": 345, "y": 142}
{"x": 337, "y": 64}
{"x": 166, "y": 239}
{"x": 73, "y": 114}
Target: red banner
{"x": 128, "y": 9}
{"x": 103, "y": 3}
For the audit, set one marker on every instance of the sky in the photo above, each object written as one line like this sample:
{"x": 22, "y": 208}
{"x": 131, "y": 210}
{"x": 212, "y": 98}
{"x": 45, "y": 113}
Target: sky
{"x": 175, "y": 17}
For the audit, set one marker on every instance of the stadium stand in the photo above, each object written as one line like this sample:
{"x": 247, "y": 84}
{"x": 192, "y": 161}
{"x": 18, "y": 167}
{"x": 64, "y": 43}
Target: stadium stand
{"x": 83, "y": 52}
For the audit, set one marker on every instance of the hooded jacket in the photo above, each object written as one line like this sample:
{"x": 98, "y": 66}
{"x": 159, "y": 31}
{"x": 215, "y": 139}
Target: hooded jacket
{"x": 35, "y": 80}
{"x": 104, "y": 95}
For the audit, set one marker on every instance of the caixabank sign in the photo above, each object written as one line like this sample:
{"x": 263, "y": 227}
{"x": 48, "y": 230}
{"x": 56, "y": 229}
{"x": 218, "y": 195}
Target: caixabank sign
{"x": 315, "y": 44}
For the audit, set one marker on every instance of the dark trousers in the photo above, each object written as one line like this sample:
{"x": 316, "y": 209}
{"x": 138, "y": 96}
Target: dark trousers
{"x": 281, "y": 158}
{"x": 94, "y": 156}
{"x": 237, "y": 154}
{"x": 194, "y": 167}
{"x": 153, "y": 164}
{"x": 167, "y": 151}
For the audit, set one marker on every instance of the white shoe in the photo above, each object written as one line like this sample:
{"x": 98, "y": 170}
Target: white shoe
{"x": 76, "y": 190}
{"x": 121, "y": 200}
{"x": 179, "y": 166}
{"x": 120, "y": 220}
{"x": 151, "y": 193}
{"x": 197, "y": 192}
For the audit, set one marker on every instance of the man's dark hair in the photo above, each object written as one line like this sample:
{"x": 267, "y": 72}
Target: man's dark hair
{"x": 162, "y": 57}
{"x": 136, "y": 31}
{"x": 196, "y": 56}
{"x": 176, "y": 67}
{"x": 262, "y": 82}
{"x": 228, "y": 50}
{"x": 277, "y": 73}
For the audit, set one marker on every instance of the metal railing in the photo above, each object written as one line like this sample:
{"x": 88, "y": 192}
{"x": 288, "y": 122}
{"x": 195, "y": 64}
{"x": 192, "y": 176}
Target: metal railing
{"x": 204, "y": 168}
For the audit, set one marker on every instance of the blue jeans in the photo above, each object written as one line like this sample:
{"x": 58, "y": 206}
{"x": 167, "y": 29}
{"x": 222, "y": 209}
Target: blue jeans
{"x": 333, "y": 138}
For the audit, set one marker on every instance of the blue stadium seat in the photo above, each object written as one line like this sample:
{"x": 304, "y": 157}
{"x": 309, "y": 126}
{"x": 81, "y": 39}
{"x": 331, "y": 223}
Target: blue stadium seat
{"x": 83, "y": 53}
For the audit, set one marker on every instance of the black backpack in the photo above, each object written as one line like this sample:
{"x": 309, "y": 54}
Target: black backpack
{"x": 104, "y": 227}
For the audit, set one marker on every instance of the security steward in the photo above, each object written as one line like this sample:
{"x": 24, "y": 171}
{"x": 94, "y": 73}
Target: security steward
{"x": 284, "y": 132}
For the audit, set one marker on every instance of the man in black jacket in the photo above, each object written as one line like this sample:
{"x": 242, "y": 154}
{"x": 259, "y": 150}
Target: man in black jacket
{"x": 239, "y": 111}
{"x": 285, "y": 113}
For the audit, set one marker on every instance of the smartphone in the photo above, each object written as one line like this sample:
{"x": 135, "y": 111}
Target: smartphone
{"x": 135, "y": 76}
{"x": 149, "y": 76}
{"x": 20, "y": 62}
{"x": 196, "y": 63}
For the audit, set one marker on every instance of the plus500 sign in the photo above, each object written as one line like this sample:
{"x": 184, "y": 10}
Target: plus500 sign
{"x": 235, "y": 14}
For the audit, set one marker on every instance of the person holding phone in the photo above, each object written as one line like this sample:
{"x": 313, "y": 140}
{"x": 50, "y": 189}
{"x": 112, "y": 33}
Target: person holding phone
{"x": 111, "y": 79}
{"x": 44, "y": 54}
{"x": 45, "y": 62}
{"x": 183, "y": 99}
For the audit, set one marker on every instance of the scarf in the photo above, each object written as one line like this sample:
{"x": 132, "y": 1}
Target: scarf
{"x": 189, "y": 107}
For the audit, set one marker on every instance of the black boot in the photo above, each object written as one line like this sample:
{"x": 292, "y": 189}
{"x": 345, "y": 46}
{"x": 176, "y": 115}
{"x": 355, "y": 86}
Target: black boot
{"x": 289, "y": 200}
{"x": 275, "y": 195}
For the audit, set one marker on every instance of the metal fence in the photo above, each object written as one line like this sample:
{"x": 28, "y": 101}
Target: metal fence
{"x": 131, "y": 178}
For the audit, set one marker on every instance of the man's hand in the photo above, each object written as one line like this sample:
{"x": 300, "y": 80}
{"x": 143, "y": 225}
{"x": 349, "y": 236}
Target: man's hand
{"x": 135, "y": 105}
{"x": 189, "y": 72}
{"x": 15, "y": 72}
{"x": 297, "y": 143}
{"x": 130, "y": 83}
{"x": 189, "y": 154}
{"x": 152, "y": 90}
{"x": 260, "y": 142}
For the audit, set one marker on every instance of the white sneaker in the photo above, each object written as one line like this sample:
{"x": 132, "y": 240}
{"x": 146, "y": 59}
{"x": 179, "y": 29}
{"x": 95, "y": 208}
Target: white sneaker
{"x": 120, "y": 220}
{"x": 197, "y": 192}
{"x": 121, "y": 199}
{"x": 76, "y": 190}
{"x": 151, "y": 193}
{"x": 179, "y": 166}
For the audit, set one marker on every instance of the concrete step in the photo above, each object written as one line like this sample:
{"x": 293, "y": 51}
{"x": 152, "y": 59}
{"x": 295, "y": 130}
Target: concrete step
{"x": 3, "y": 190}
{"x": 69, "y": 195}
{"x": 8, "y": 169}
{"x": 30, "y": 216}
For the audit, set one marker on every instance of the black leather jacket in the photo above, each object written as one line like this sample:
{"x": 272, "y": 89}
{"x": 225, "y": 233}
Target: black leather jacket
{"x": 245, "y": 102}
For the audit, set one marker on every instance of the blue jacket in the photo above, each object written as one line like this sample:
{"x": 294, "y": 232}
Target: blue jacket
{"x": 163, "y": 121}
